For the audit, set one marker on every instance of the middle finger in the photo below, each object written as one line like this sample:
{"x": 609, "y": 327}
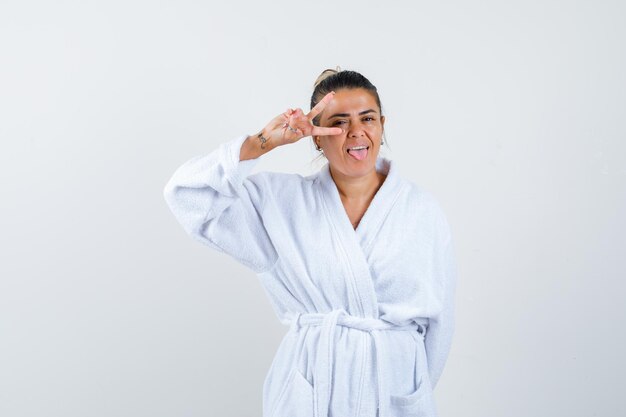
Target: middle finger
{"x": 317, "y": 109}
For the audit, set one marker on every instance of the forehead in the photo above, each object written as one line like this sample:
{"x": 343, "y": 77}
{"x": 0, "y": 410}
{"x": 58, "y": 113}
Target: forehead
{"x": 350, "y": 101}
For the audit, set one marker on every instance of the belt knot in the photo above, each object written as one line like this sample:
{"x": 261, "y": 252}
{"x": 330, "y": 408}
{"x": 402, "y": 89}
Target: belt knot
{"x": 324, "y": 365}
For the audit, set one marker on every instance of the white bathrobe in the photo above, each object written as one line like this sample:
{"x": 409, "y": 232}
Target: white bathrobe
{"x": 370, "y": 311}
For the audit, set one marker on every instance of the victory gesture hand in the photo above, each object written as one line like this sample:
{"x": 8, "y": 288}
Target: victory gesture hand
{"x": 293, "y": 125}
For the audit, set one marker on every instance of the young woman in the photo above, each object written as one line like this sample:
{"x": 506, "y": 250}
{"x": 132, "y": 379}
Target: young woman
{"x": 356, "y": 259}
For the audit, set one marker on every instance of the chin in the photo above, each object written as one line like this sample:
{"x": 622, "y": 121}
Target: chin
{"x": 359, "y": 169}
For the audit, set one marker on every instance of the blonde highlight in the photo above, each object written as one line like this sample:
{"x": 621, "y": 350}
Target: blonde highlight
{"x": 325, "y": 74}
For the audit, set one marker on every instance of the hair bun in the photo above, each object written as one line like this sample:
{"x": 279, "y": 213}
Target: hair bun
{"x": 325, "y": 74}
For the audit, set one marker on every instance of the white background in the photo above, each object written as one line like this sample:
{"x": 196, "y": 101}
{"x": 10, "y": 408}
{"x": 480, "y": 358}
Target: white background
{"x": 510, "y": 113}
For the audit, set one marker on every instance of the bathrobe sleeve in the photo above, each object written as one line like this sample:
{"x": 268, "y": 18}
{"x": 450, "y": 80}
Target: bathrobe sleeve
{"x": 441, "y": 327}
{"x": 218, "y": 203}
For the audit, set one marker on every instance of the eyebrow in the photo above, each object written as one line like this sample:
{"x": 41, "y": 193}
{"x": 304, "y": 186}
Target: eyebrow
{"x": 346, "y": 114}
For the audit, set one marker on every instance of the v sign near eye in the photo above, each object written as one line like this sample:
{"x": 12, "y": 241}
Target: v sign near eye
{"x": 288, "y": 127}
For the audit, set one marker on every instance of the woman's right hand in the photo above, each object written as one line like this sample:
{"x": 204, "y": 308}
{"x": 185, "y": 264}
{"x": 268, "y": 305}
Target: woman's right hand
{"x": 278, "y": 133}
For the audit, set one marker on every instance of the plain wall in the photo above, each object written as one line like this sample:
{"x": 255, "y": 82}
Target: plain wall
{"x": 510, "y": 113}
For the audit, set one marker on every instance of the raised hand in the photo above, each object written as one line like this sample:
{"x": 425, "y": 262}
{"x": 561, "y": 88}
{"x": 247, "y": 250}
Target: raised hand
{"x": 293, "y": 125}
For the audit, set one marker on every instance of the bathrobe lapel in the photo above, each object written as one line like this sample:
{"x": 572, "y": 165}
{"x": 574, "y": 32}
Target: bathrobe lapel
{"x": 357, "y": 243}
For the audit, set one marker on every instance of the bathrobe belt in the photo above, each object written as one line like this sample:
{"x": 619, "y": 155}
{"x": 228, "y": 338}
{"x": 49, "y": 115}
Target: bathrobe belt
{"x": 324, "y": 362}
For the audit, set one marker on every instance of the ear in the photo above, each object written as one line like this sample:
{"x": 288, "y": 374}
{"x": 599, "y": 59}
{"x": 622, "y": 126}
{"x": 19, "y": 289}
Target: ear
{"x": 382, "y": 120}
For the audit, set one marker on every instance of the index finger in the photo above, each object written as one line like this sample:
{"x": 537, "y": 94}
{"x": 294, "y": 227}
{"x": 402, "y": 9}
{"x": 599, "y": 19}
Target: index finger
{"x": 317, "y": 109}
{"x": 326, "y": 131}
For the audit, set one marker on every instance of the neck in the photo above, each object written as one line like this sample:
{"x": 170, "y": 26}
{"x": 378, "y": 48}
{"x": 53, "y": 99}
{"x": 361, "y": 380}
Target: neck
{"x": 357, "y": 189}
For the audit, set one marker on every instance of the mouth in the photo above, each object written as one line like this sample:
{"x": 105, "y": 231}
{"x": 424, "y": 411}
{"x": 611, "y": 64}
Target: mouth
{"x": 358, "y": 152}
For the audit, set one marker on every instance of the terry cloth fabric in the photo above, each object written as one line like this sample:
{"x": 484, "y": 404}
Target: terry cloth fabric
{"x": 370, "y": 310}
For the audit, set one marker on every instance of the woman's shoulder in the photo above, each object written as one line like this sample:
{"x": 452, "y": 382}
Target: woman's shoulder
{"x": 422, "y": 195}
{"x": 415, "y": 195}
{"x": 425, "y": 201}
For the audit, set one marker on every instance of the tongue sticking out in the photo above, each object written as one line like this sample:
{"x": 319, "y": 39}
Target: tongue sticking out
{"x": 358, "y": 154}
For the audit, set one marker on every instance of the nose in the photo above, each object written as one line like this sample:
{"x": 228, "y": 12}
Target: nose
{"x": 355, "y": 131}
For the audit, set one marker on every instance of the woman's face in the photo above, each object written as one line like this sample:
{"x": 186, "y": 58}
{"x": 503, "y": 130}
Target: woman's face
{"x": 356, "y": 112}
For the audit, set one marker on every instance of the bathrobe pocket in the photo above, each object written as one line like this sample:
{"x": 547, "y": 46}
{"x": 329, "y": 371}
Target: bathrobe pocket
{"x": 296, "y": 397}
{"x": 418, "y": 403}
